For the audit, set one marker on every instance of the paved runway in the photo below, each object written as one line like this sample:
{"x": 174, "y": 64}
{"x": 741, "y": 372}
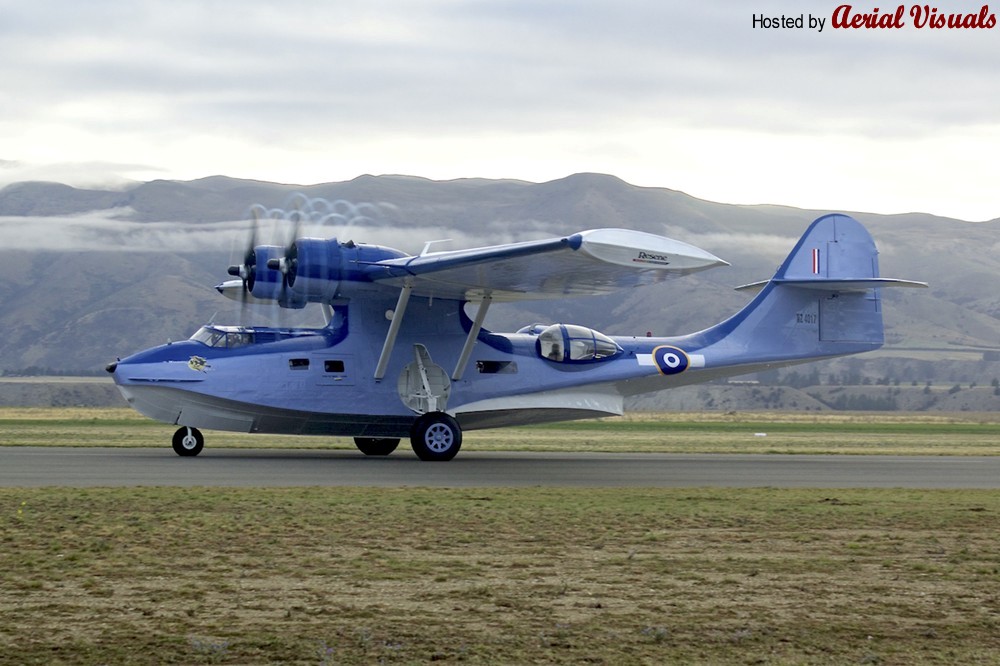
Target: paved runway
{"x": 91, "y": 467}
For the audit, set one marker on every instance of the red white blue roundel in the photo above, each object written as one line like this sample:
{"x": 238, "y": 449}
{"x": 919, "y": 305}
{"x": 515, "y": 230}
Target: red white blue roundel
{"x": 670, "y": 360}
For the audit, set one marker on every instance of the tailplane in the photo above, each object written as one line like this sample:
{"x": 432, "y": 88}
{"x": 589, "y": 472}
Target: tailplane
{"x": 823, "y": 301}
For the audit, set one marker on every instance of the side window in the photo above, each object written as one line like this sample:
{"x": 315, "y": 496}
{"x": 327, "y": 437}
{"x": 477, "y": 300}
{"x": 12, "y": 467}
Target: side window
{"x": 550, "y": 343}
{"x": 496, "y": 367}
{"x": 605, "y": 349}
{"x": 336, "y": 371}
{"x": 237, "y": 339}
{"x": 298, "y": 363}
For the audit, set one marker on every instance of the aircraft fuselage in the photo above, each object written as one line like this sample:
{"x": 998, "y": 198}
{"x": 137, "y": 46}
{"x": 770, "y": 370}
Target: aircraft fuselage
{"x": 321, "y": 381}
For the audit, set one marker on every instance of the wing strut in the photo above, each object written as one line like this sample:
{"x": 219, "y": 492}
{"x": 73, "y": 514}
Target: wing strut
{"x": 390, "y": 338}
{"x": 470, "y": 341}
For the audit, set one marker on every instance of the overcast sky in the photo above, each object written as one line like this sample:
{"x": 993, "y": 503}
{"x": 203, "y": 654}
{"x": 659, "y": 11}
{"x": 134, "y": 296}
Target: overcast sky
{"x": 679, "y": 94}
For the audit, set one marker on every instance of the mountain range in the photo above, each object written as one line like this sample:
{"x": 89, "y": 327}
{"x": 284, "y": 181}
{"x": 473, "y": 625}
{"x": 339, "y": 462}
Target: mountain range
{"x": 88, "y": 275}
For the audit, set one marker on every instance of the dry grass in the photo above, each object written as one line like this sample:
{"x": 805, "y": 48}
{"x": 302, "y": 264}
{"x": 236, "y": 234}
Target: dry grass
{"x": 763, "y": 432}
{"x": 345, "y": 576}
{"x": 483, "y": 576}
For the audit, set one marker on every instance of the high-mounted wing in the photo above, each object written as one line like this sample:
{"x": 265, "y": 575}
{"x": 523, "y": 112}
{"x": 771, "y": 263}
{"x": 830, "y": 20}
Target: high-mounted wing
{"x": 599, "y": 261}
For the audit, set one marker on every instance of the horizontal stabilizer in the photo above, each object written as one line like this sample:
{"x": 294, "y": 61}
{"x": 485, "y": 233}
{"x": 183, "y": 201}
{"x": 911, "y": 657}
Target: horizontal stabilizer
{"x": 833, "y": 284}
{"x": 837, "y": 254}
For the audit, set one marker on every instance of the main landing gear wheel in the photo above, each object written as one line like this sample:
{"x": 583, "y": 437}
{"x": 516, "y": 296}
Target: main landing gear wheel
{"x": 436, "y": 436}
{"x": 371, "y": 446}
{"x": 188, "y": 441}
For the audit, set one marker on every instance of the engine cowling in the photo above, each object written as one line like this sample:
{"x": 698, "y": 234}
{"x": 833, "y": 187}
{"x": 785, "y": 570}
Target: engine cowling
{"x": 309, "y": 270}
{"x": 314, "y": 268}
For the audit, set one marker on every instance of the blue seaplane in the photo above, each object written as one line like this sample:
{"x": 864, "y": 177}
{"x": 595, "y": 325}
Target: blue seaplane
{"x": 404, "y": 352}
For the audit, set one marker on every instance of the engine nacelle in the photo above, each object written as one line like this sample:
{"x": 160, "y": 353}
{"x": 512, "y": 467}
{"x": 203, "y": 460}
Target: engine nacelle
{"x": 315, "y": 269}
{"x": 320, "y": 270}
{"x": 310, "y": 270}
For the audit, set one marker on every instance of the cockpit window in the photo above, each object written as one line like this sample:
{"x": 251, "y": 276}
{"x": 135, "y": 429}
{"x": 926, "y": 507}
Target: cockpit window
{"x": 214, "y": 337}
{"x": 575, "y": 344}
{"x": 238, "y": 339}
{"x": 208, "y": 336}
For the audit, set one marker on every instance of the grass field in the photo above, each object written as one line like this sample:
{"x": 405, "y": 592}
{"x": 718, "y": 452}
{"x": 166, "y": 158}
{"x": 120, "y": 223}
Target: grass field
{"x": 509, "y": 576}
{"x": 760, "y": 432}
{"x": 359, "y": 576}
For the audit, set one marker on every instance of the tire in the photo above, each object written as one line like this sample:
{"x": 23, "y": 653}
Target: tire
{"x": 371, "y": 446}
{"x": 436, "y": 436}
{"x": 188, "y": 442}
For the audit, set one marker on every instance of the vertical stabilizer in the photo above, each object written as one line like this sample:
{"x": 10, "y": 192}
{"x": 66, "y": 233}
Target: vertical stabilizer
{"x": 823, "y": 301}
{"x": 833, "y": 247}
{"x": 834, "y": 260}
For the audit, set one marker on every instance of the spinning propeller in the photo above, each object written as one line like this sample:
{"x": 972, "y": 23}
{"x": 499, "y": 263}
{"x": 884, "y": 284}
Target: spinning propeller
{"x": 288, "y": 263}
{"x": 294, "y": 271}
{"x": 247, "y": 271}
{"x": 268, "y": 271}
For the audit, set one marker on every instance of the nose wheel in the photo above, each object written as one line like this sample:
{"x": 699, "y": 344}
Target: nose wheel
{"x": 436, "y": 436}
{"x": 188, "y": 441}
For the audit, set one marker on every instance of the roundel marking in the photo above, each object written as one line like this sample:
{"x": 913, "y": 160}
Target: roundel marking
{"x": 670, "y": 360}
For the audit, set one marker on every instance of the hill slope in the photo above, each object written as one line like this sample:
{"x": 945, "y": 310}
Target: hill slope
{"x": 89, "y": 275}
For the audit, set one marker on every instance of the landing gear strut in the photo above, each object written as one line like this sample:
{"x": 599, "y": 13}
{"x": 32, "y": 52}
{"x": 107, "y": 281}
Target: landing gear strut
{"x": 188, "y": 441}
{"x": 436, "y": 436}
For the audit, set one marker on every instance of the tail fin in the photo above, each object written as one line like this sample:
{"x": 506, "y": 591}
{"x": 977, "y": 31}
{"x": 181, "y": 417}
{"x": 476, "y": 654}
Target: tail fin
{"x": 836, "y": 252}
{"x": 823, "y": 301}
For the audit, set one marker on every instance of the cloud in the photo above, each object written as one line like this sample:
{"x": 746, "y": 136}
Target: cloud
{"x": 311, "y": 92}
{"x": 112, "y": 230}
{"x": 109, "y": 230}
{"x": 765, "y": 247}
{"x": 453, "y": 66}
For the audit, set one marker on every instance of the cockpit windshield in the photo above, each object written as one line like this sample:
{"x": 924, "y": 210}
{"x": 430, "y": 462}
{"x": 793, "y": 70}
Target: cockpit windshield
{"x": 226, "y": 337}
{"x": 567, "y": 343}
